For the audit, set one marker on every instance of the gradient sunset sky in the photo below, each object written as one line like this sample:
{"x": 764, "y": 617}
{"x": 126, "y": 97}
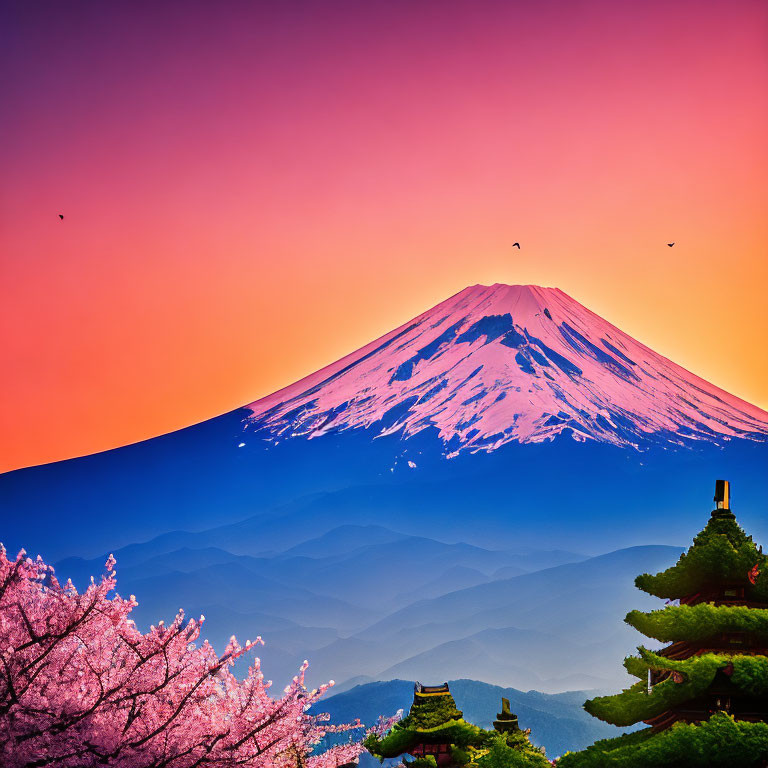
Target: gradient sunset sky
{"x": 252, "y": 190}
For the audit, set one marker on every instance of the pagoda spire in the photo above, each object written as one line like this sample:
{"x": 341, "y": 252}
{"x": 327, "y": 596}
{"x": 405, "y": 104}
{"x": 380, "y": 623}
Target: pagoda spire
{"x": 722, "y": 501}
{"x": 505, "y": 721}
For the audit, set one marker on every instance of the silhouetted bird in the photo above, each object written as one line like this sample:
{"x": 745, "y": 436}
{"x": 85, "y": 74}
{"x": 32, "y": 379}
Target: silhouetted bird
{"x": 670, "y": 244}
{"x": 61, "y": 216}
{"x": 516, "y": 245}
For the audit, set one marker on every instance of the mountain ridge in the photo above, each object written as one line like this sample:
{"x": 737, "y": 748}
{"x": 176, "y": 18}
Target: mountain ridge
{"x": 564, "y": 620}
{"x": 493, "y": 364}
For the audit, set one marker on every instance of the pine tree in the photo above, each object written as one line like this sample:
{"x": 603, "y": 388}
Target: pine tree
{"x": 704, "y": 696}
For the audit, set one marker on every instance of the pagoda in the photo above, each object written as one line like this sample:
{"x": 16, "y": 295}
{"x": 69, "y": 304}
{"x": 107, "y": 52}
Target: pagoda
{"x": 505, "y": 721}
{"x": 728, "y": 632}
{"x": 436, "y": 735}
{"x": 433, "y": 704}
{"x": 711, "y": 680}
{"x": 720, "y": 573}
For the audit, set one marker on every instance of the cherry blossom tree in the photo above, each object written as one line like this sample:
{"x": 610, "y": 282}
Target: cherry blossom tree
{"x": 82, "y": 686}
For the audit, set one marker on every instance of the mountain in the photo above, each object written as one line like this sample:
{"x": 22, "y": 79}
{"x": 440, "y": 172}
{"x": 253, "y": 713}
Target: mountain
{"x": 293, "y": 600}
{"x": 376, "y": 565}
{"x": 344, "y": 539}
{"x": 456, "y": 577}
{"x": 505, "y": 417}
{"x": 557, "y": 721}
{"x": 530, "y": 659}
{"x": 495, "y": 364}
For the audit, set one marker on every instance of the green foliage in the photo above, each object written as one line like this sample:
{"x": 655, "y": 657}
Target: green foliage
{"x": 750, "y": 673}
{"x": 421, "y": 762}
{"x": 722, "y": 552}
{"x": 397, "y": 742}
{"x": 461, "y": 756}
{"x": 431, "y": 711}
{"x": 501, "y": 755}
{"x": 432, "y": 719}
{"x": 636, "y": 704}
{"x": 402, "y": 738}
{"x": 699, "y": 622}
{"x": 720, "y": 742}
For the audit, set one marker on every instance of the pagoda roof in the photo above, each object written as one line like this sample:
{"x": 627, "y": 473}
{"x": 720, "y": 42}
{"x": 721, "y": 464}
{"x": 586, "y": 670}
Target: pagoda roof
{"x": 721, "y": 560}
{"x": 431, "y": 690}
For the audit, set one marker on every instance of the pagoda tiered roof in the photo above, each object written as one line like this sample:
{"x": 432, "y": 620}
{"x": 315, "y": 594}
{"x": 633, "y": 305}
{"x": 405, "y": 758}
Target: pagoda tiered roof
{"x": 717, "y": 630}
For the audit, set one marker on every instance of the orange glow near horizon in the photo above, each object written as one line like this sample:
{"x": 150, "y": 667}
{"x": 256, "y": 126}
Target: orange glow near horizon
{"x": 250, "y": 195}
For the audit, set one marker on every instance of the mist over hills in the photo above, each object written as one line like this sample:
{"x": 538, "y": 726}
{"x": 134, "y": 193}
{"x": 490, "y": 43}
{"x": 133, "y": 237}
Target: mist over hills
{"x": 410, "y": 607}
{"x": 554, "y": 629}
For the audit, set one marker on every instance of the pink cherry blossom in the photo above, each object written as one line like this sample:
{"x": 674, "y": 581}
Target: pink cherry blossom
{"x": 81, "y": 686}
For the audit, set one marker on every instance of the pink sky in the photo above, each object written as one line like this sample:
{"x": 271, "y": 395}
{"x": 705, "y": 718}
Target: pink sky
{"x": 252, "y": 191}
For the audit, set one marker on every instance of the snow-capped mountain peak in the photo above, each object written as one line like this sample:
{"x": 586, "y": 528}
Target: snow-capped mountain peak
{"x": 502, "y": 363}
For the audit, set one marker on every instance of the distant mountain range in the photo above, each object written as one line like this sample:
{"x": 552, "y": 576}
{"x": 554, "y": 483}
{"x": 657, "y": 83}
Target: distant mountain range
{"x": 392, "y": 605}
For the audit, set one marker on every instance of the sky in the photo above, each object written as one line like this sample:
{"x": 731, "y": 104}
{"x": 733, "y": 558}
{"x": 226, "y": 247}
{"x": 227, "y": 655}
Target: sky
{"x": 252, "y": 190}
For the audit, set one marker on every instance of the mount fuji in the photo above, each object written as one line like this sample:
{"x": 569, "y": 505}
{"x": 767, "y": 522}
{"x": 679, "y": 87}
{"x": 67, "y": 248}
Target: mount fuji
{"x": 513, "y": 406}
{"x": 499, "y": 364}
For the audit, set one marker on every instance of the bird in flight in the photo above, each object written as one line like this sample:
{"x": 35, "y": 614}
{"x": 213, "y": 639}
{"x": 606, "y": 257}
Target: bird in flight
{"x": 516, "y": 245}
{"x": 61, "y": 216}
{"x": 670, "y": 244}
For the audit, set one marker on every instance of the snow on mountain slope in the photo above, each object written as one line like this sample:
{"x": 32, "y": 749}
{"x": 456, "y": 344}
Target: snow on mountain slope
{"x": 501, "y": 363}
